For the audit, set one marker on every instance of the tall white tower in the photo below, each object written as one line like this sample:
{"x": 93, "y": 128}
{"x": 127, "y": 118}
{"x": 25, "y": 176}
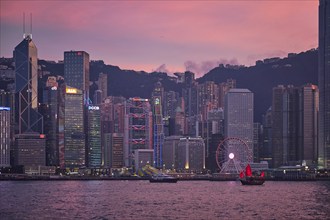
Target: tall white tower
{"x": 239, "y": 116}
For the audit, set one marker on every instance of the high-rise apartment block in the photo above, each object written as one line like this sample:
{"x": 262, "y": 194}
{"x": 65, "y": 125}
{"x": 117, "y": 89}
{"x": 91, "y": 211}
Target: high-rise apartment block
{"x": 208, "y": 98}
{"x": 224, "y": 87}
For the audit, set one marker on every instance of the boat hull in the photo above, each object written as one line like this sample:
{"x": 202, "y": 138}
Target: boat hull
{"x": 252, "y": 181}
{"x": 168, "y": 180}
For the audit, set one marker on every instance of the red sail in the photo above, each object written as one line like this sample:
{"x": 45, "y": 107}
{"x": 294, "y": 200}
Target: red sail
{"x": 262, "y": 174}
{"x": 248, "y": 170}
{"x": 241, "y": 175}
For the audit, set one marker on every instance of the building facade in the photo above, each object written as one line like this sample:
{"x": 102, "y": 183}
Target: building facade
{"x": 30, "y": 150}
{"x": 170, "y": 155}
{"x": 324, "y": 84}
{"x": 239, "y": 116}
{"x": 27, "y": 116}
{"x": 143, "y": 157}
{"x": 103, "y": 85}
{"x": 94, "y": 151}
{"x": 294, "y": 125}
{"x": 74, "y": 129}
{"x": 76, "y": 71}
{"x": 50, "y": 112}
{"x": 191, "y": 154}
{"x": 5, "y": 136}
{"x": 308, "y": 124}
{"x": 138, "y": 128}
{"x": 157, "y": 124}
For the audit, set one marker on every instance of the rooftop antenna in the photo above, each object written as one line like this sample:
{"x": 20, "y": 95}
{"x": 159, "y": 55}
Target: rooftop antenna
{"x": 31, "y": 25}
{"x": 24, "y": 25}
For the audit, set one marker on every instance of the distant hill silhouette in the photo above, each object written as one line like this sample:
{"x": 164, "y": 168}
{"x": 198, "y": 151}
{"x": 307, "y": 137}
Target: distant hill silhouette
{"x": 297, "y": 69}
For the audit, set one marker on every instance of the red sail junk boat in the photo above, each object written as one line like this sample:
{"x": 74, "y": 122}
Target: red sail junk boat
{"x": 248, "y": 178}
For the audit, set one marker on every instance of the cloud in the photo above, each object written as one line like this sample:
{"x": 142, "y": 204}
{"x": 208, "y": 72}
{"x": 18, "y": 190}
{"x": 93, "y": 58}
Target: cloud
{"x": 201, "y": 68}
{"x": 162, "y": 69}
{"x": 144, "y": 34}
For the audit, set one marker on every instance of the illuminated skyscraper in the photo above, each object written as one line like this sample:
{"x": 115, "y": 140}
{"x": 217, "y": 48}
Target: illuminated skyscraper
{"x": 158, "y": 125}
{"x": 224, "y": 87}
{"x": 138, "y": 128}
{"x": 30, "y": 150}
{"x": 324, "y": 84}
{"x": 208, "y": 98}
{"x": 170, "y": 103}
{"x": 74, "y": 129}
{"x": 76, "y": 71}
{"x": 4, "y": 137}
{"x": 26, "y": 87}
{"x": 76, "y": 76}
{"x": 94, "y": 157}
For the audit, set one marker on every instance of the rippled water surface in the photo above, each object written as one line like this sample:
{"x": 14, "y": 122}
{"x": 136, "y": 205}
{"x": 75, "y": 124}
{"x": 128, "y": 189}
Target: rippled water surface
{"x": 144, "y": 200}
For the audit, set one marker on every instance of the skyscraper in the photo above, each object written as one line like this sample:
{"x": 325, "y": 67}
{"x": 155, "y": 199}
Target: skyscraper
{"x": 294, "y": 125}
{"x": 113, "y": 150}
{"x": 50, "y": 111}
{"x": 103, "y": 85}
{"x": 76, "y": 71}
{"x": 224, "y": 87}
{"x": 94, "y": 157}
{"x": 158, "y": 126}
{"x": 265, "y": 150}
{"x": 324, "y": 84}
{"x": 76, "y": 76}
{"x": 285, "y": 116}
{"x": 138, "y": 128}
{"x": 239, "y": 116}
{"x": 26, "y": 87}
{"x": 189, "y": 94}
{"x": 208, "y": 97}
{"x": 74, "y": 129}
{"x": 308, "y": 124}
{"x": 4, "y": 136}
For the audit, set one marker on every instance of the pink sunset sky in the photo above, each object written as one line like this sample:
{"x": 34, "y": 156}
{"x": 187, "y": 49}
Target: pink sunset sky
{"x": 163, "y": 35}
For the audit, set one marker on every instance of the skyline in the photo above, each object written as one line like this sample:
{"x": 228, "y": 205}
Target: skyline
{"x": 164, "y": 36}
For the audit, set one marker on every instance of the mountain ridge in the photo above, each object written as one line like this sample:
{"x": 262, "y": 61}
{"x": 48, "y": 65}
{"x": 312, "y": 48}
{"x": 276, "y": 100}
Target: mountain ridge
{"x": 296, "y": 69}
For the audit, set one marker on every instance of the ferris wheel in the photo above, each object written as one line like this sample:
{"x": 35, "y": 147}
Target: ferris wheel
{"x": 232, "y": 154}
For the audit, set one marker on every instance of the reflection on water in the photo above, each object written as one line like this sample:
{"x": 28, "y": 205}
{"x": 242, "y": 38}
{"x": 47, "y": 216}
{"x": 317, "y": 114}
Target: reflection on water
{"x": 144, "y": 200}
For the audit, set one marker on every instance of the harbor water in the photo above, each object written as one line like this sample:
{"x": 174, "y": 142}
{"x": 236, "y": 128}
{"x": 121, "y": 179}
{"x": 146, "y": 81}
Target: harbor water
{"x": 181, "y": 200}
